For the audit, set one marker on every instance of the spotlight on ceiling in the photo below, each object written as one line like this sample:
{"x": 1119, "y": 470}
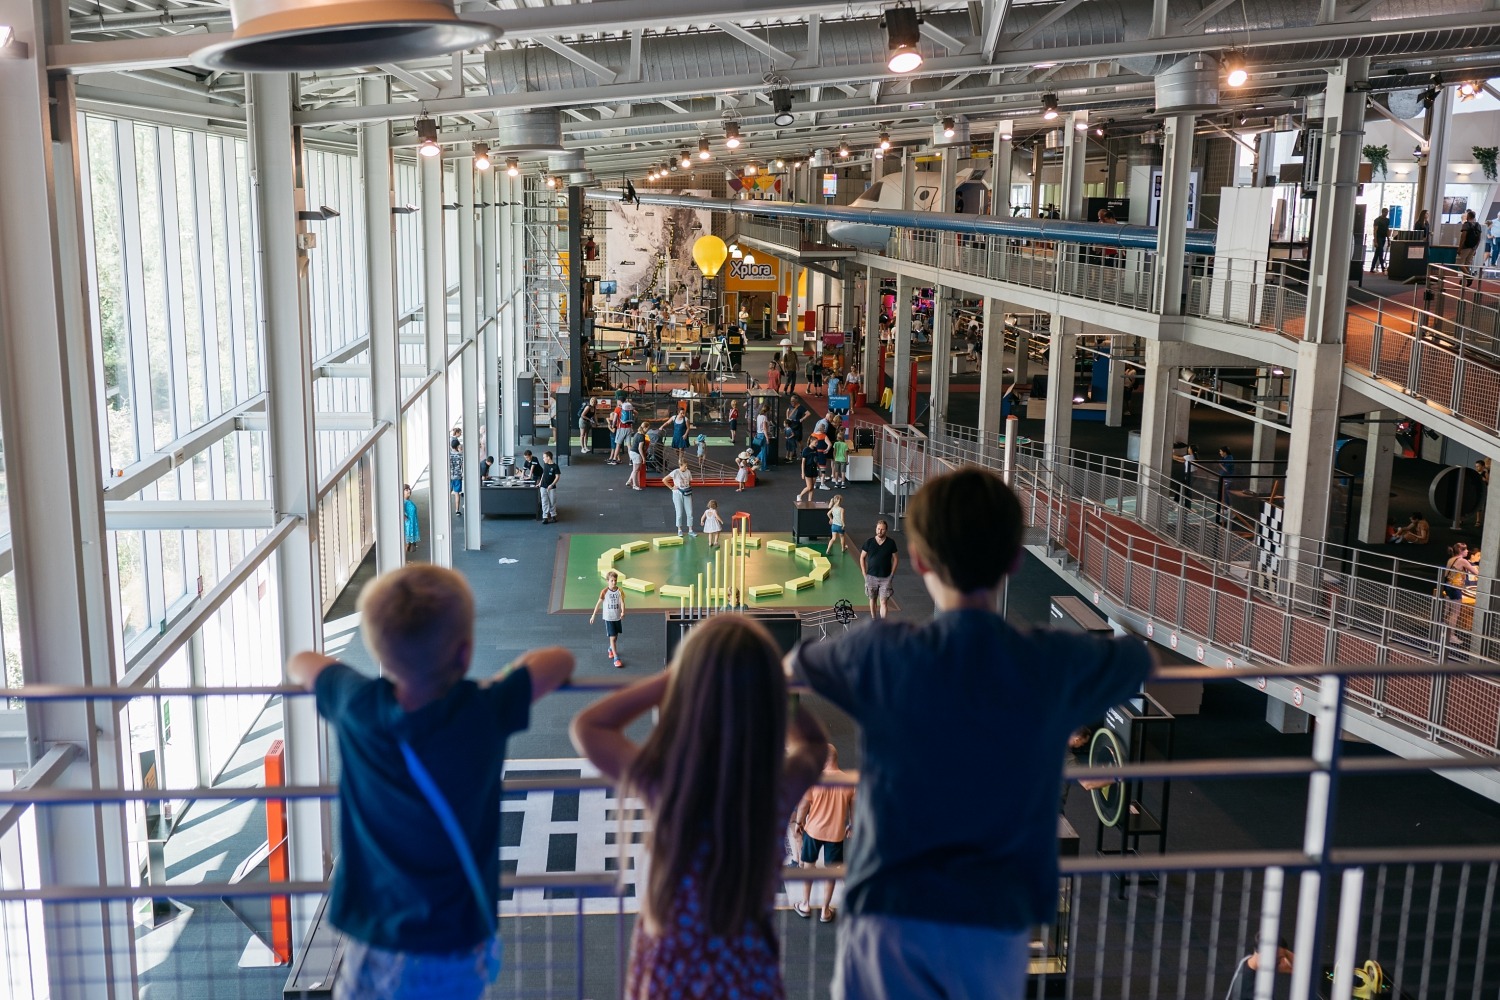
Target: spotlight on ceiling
{"x": 703, "y": 150}
{"x": 781, "y": 103}
{"x": 550, "y": 181}
{"x": 750, "y": 169}
{"x": 903, "y": 29}
{"x": 1049, "y": 107}
{"x": 748, "y": 259}
{"x": 948, "y": 128}
{"x": 732, "y": 135}
{"x": 683, "y": 159}
{"x": 512, "y": 167}
{"x": 1081, "y": 125}
{"x": 481, "y": 156}
{"x": 1235, "y": 73}
{"x": 1469, "y": 90}
{"x": 779, "y": 164}
{"x": 844, "y": 150}
{"x": 672, "y": 165}
{"x": 885, "y": 139}
{"x": 427, "y": 133}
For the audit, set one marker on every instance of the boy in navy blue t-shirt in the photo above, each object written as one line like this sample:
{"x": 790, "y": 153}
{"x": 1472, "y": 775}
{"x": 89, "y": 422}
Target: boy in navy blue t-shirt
{"x": 946, "y": 876}
{"x": 400, "y": 890}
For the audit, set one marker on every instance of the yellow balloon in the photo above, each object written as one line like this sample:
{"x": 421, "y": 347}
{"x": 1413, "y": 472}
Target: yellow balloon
{"x": 709, "y": 253}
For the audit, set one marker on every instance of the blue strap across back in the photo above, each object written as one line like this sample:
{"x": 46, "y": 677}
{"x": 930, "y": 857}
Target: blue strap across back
{"x": 434, "y": 797}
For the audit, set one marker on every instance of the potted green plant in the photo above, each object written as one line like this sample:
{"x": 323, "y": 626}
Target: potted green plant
{"x": 1379, "y": 157}
{"x": 1486, "y": 157}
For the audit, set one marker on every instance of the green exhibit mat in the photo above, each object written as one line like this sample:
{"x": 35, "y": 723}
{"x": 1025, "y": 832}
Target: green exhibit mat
{"x": 577, "y": 581}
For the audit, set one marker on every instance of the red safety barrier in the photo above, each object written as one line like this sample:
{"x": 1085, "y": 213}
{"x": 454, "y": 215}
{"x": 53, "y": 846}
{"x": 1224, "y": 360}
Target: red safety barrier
{"x": 279, "y": 862}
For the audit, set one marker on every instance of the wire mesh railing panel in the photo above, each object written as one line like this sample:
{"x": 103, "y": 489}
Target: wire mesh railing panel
{"x": 1471, "y": 708}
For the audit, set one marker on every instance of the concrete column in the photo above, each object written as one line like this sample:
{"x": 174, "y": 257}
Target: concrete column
{"x": 1003, "y": 158}
{"x": 435, "y": 329}
{"x": 908, "y": 178}
{"x": 1380, "y": 457}
{"x": 1262, "y": 441}
{"x": 992, "y": 379}
{"x": 942, "y": 354}
{"x": 847, "y": 300}
{"x": 50, "y": 416}
{"x": 871, "y": 370}
{"x": 509, "y": 307}
{"x": 468, "y": 323}
{"x": 1488, "y": 596}
{"x": 1164, "y": 411}
{"x": 1171, "y": 222}
{"x": 899, "y": 367}
{"x": 1114, "y": 402}
{"x": 489, "y": 287}
{"x": 1075, "y": 154}
{"x": 282, "y": 276}
{"x": 1060, "y": 362}
{"x": 1022, "y": 360}
{"x": 1434, "y": 170}
{"x": 794, "y": 308}
{"x": 385, "y": 353}
{"x": 1315, "y": 391}
{"x": 1036, "y": 177}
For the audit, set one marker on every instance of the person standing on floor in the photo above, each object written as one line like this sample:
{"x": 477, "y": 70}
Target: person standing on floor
{"x": 637, "y": 464}
{"x": 612, "y": 602}
{"x": 547, "y": 484}
{"x": 421, "y": 754}
{"x": 809, "y": 476}
{"x": 836, "y": 532}
{"x": 734, "y": 423}
{"x": 719, "y": 775}
{"x": 840, "y": 458}
{"x": 456, "y": 474}
{"x": 824, "y": 818}
{"x": 680, "y": 431}
{"x": 878, "y": 559}
{"x": 1382, "y": 229}
{"x": 680, "y": 482}
{"x": 586, "y": 418}
{"x": 773, "y": 376}
{"x": 713, "y": 523}
{"x": 1469, "y": 235}
{"x": 762, "y": 439}
{"x": 941, "y": 900}
{"x": 1494, "y": 234}
{"x": 789, "y": 372}
{"x": 1422, "y": 226}
{"x": 411, "y": 526}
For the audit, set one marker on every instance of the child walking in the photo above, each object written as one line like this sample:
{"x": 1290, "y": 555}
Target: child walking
{"x": 840, "y": 459}
{"x": 702, "y": 442}
{"x": 712, "y": 523}
{"x": 743, "y": 464}
{"x": 612, "y": 601}
{"x": 720, "y": 774}
{"x": 422, "y": 752}
{"x": 836, "y": 526}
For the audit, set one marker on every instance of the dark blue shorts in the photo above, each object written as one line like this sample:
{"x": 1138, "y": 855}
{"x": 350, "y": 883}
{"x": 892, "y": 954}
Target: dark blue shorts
{"x": 614, "y": 628}
{"x": 833, "y": 851}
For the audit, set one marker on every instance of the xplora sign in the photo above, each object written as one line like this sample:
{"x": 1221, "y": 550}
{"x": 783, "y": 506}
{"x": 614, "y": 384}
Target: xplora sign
{"x": 741, "y": 271}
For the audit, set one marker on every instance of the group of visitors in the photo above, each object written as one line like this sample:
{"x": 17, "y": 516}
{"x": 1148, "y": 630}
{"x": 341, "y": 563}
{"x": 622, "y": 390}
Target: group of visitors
{"x": 931, "y": 908}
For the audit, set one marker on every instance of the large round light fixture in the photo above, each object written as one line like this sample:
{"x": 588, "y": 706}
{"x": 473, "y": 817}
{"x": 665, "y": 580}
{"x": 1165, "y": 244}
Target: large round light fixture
{"x": 551, "y": 181}
{"x": 512, "y": 167}
{"x": 1049, "y": 107}
{"x": 427, "y": 134}
{"x": 732, "y": 135}
{"x": 949, "y": 127}
{"x": 844, "y": 149}
{"x": 709, "y": 253}
{"x": 683, "y": 159}
{"x": 885, "y": 139}
{"x": 903, "y": 30}
{"x": 280, "y": 36}
{"x": 703, "y": 150}
{"x": 481, "y": 156}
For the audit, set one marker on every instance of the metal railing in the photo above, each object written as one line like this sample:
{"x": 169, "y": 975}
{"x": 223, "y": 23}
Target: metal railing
{"x": 1237, "y": 594}
{"x": 1123, "y": 279}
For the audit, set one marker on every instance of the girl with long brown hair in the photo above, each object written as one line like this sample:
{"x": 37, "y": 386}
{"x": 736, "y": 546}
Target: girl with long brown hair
{"x": 719, "y": 775}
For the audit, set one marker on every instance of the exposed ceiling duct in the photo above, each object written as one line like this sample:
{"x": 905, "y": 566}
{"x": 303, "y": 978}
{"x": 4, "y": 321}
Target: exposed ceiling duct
{"x": 570, "y": 167}
{"x": 528, "y": 133}
{"x": 295, "y": 35}
{"x": 1191, "y": 85}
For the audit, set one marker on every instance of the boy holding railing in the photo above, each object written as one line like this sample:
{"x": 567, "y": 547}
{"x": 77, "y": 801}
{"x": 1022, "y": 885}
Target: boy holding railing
{"x": 416, "y": 885}
{"x": 945, "y": 883}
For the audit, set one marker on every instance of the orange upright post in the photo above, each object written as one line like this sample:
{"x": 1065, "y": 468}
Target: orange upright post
{"x": 279, "y": 862}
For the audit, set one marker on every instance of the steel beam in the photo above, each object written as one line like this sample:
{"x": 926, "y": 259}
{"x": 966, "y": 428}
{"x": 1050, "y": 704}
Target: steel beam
{"x": 49, "y": 417}
{"x": 200, "y": 515}
{"x": 274, "y": 159}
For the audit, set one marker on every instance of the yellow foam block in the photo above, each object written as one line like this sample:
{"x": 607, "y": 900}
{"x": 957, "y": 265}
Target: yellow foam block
{"x": 820, "y": 571}
{"x": 637, "y": 585}
{"x": 801, "y": 583}
{"x": 639, "y": 545}
{"x": 749, "y": 543}
{"x": 612, "y": 555}
{"x": 765, "y": 590}
{"x": 674, "y": 590}
{"x": 666, "y": 541}
{"x": 780, "y": 545}
{"x": 806, "y": 554}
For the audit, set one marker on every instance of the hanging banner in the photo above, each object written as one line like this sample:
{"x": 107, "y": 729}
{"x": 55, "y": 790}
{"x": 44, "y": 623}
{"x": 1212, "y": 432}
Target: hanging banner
{"x": 761, "y": 184}
{"x": 762, "y": 276}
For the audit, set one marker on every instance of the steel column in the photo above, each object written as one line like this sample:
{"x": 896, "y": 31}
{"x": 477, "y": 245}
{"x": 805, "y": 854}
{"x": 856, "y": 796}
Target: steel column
{"x": 1075, "y": 157}
{"x": 489, "y": 284}
{"x": 992, "y": 380}
{"x": 1171, "y": 220}
{"x": 1003, "y": 157}
{"x": 435, "y": 328}
{"x": 463, "y": 173}
{"x": 1061, "y": 360}
{"x": 380, "y": 297}
{"x": 873, "y": 344}
{"x": 282, "y": 275}
{"x": 50, "y": 420}
{"x": 899, "y": 371}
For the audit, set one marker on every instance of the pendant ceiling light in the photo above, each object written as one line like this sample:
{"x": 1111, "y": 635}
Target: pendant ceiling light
{"x": 781, "y": 104}
{"x": 903, "y": 29}
{"x": 277, "y": 36}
